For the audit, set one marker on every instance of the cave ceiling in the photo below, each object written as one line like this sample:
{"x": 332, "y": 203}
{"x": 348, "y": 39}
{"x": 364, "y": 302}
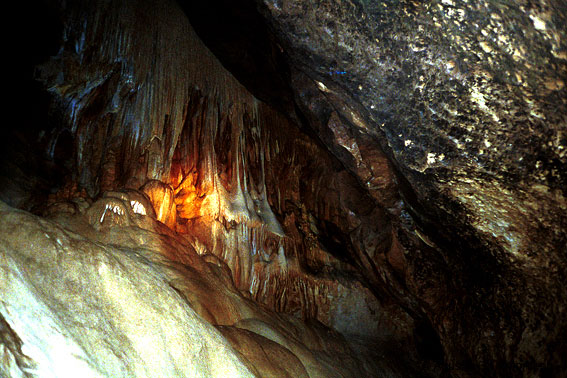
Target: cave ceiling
{"x": 468, "y": 102}
{"x": 393, "y": 171}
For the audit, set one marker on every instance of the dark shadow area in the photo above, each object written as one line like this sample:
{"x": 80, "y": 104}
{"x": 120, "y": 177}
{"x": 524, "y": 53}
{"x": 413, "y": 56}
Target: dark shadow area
{"x": 236, "y": 33}
{"x": 27, "y": 173}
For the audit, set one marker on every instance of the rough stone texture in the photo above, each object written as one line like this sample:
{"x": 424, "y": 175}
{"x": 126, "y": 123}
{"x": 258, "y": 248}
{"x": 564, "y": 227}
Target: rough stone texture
{"x": 469, "y": 102}
{"x": 242, "y": 182}
{"x": 411, "y": 195}
{"x": 481, "y": 86}
{"x": 138, "y": 102}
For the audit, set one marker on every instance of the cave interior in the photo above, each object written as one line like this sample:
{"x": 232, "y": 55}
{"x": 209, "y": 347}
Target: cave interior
{"x": 279, "y": 188}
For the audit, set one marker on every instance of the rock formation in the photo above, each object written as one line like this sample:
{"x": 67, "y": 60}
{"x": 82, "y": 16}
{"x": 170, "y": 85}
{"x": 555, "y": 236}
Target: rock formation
{"x": 379, "y": 190}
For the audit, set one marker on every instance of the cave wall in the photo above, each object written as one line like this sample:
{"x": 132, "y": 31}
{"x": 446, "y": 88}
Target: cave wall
{"x": 412, "y": 190}
{"x": 144, "y": 124}
{"x": 468, "y": 100}
{"x": 149, "y": 107}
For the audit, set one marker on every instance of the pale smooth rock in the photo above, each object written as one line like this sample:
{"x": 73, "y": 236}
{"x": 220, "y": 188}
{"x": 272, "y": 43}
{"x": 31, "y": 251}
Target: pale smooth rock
{"x": 75, "y": 308}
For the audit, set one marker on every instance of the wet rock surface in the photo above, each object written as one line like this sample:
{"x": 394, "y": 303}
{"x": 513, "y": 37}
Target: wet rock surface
{"x": 133, "y": 299}
{"x": 383, "y": 177}
{"x": 77, "y": 308}
{"x": 468, "y": 101}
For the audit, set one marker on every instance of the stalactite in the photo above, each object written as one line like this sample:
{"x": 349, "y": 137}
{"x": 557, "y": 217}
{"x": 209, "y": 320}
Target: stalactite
{"x": 147, "y": 103}
{"x": 111, "y": 66}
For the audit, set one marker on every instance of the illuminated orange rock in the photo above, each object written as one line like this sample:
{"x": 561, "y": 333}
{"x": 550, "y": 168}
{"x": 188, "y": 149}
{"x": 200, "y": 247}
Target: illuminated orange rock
{"x": 395, "y": 173}
{"x": 251, "y": 221}
{"x": 162, "y": 200}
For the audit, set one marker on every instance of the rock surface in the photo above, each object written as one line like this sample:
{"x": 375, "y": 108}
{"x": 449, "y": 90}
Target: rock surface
{"x": 235, "y": 177}
{"x": 144, "y": 105}
{"x": 468, "y": 101}
{"x": 401, "y": 180}
{"x": 109, "y": 292}
{"x": 74, "y": 307}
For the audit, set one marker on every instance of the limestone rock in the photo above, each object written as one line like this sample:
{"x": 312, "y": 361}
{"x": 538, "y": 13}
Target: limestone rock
{"x": 134, "y": 299}
{"x": 237, "y": 179}
{"x": 162, "y": 199}
{"x": 468, "y": 101}
{"x": 72, "y": 307}
{"x": 402, "y": 183}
